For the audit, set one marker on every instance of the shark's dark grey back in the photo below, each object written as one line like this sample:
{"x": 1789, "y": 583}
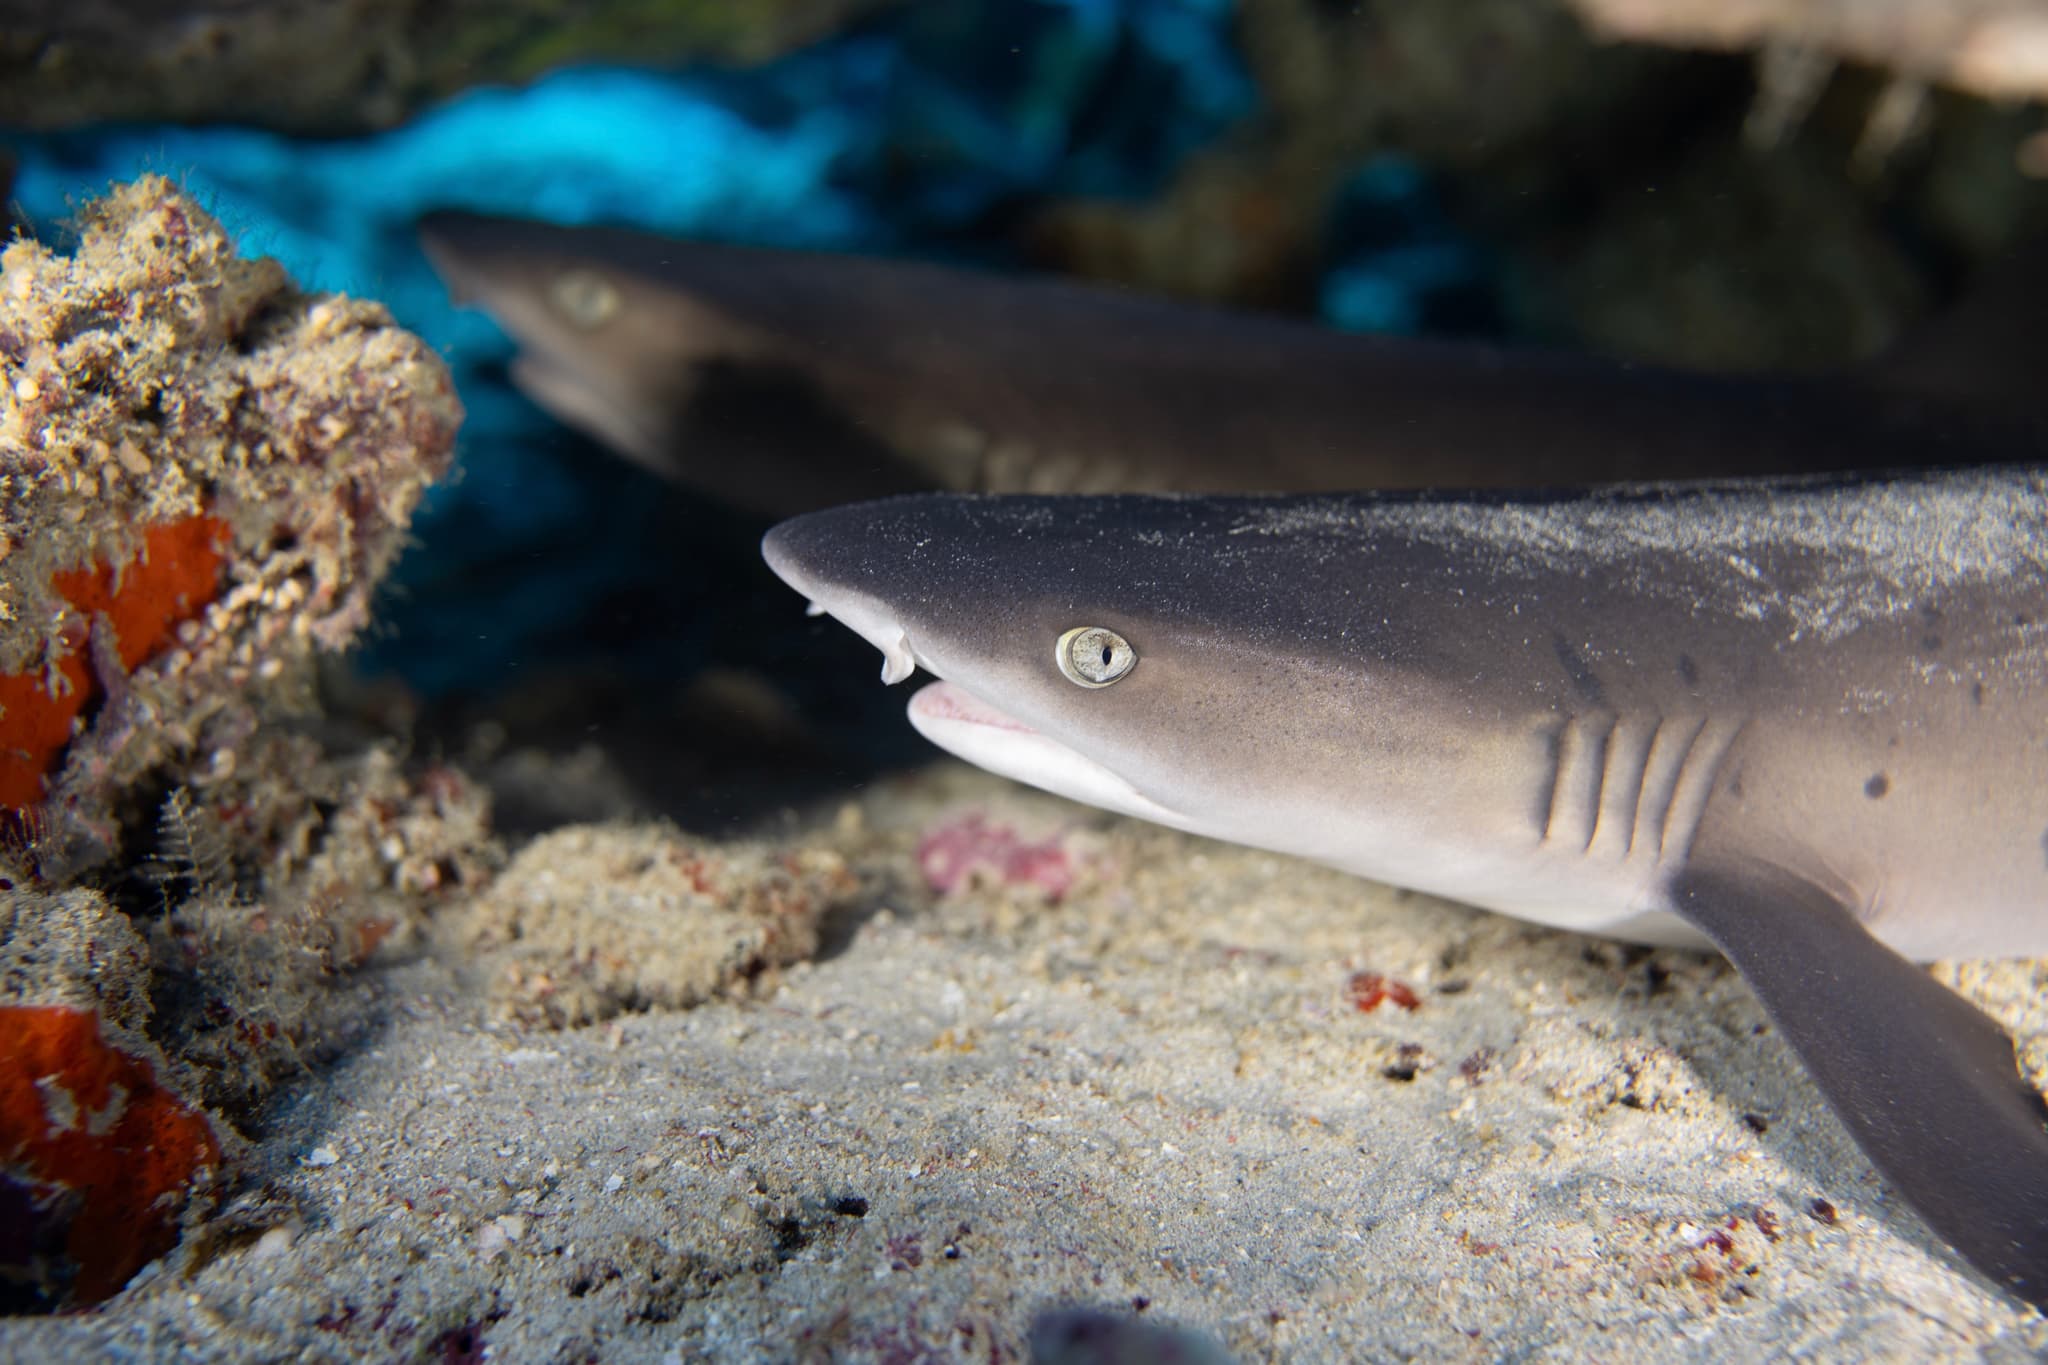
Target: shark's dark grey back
{"x": 1792, "y": 563}
{"x": 1191, "y": 399}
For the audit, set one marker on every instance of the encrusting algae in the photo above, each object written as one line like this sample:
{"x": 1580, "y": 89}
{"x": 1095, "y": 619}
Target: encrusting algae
{"x": 99, "y": 1155}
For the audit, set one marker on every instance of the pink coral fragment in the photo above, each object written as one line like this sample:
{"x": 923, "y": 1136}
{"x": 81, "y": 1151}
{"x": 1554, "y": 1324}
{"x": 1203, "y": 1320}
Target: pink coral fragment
{"x": 963, "y": 852}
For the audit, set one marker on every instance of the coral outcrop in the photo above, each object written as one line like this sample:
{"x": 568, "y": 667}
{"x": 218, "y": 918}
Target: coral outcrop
{"x": 204, "y": 475}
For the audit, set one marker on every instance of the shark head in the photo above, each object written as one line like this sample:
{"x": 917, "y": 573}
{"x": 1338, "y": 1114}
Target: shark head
{"x": 1148, "y": 655}
{"x": 604, "y": 345}
{"x": 678, "y": 355}
{"x": 971, "y": 591}
{"x": 595, "y": 342}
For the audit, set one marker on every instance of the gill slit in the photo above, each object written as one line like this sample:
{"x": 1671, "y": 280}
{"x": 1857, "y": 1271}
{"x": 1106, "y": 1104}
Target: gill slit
{"x": 1623, "y": 787}
{"x": 1579, "y": 757}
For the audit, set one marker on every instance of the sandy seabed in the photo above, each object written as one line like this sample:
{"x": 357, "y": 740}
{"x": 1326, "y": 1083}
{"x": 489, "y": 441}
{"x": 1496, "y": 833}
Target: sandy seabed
{"x": 1160, "y": 1096}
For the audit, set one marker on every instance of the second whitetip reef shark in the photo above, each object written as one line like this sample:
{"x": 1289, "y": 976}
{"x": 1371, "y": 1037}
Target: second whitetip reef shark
{"x": 783, "y": 381}
{"x": 1804, "y": 722}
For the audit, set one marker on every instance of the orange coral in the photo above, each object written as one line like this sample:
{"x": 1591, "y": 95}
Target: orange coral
{"x": 83, "y": 1118}
{"x": 172, "y": 580}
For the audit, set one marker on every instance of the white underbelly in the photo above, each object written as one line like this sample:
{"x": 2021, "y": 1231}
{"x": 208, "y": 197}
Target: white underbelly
{"x": 1542, "y": 886}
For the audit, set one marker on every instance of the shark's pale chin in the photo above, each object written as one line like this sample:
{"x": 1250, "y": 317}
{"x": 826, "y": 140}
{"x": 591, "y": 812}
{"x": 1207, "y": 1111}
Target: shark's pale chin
{"x": 963, "y": 724}
{"x": 560, "y": 389}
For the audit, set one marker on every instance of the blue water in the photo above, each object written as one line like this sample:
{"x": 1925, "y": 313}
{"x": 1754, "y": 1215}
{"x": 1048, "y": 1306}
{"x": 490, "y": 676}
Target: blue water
{"x": 924, "y": 135}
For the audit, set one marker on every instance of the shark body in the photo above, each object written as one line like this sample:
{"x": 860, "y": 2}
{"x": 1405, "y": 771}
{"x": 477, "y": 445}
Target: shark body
{"x": 1804, "y": 722}
{"x": 785, "y": 381}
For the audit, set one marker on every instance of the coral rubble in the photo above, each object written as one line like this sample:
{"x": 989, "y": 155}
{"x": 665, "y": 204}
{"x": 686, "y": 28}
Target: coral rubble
{"x": 592, "y": 920}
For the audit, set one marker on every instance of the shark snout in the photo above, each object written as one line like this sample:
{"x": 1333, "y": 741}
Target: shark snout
{"x": 454, "y": 244}
{"x": 789, "y": 550}
{"x": 783, "y": 548}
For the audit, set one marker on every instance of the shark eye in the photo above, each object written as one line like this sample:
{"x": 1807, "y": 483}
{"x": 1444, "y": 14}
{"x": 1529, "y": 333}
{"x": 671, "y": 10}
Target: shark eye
{"x": 1094, "y": 656}
{"x": 585, "y": 298}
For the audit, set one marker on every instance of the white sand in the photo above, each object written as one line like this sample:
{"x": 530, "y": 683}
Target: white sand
{"x": 1160, "y": 1089}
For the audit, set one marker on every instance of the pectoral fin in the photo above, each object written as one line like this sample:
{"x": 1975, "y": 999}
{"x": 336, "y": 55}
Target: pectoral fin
{"x": 1924, "y": 1081}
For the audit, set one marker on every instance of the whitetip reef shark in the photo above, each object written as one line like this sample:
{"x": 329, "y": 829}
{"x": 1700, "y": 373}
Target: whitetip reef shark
{"x": 1805, "y": 722}
{"x": 784, "y": 381}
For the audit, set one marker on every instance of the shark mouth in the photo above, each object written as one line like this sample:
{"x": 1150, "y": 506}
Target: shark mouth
{"x": 966, "y": 726}
{"x": 604, "y": 413}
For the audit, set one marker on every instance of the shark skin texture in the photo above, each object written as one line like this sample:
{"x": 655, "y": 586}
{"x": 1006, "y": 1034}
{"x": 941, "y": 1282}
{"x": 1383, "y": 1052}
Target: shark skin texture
{"x": 1804, "y": 721}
